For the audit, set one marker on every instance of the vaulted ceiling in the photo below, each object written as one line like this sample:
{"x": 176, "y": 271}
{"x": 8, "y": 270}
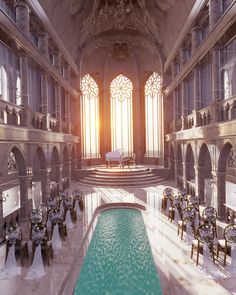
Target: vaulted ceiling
{"x": 83, "y": 25}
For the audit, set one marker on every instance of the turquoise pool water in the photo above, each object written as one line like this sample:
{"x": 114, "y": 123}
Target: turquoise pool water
{"x": 119, "y": 259}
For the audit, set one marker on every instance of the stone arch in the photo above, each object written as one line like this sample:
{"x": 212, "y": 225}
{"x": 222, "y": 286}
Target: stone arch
{"x": 73, "y": 162}
{"x": 20, "y": 160}
{"x": 221, "y": 177}
{"x": 55, "y": 165}
{"x": 179, "y": 166}
{"x": 39, "y": 180}
{"x": 172, "y": 161}
{"x": 205, "y": 175}
{"x": 189, "y": 170}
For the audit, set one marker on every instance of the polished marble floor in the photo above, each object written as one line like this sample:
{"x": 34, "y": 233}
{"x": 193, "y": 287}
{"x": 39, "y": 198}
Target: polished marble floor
{"x": 177, "y": 271}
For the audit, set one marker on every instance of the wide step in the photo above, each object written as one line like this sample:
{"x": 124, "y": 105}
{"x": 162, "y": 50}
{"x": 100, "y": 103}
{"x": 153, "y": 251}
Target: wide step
{"x": 122, "y": 177}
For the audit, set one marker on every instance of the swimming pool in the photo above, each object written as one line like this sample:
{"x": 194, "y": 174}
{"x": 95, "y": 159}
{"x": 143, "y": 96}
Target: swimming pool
{"x": 119, "y": 258}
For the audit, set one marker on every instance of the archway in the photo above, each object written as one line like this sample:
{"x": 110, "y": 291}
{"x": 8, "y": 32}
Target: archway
{"x": 226, "y": 172}
{"x": 55, "y": 166}
{"x": 205, "y": 188}
{"x": 189, "y": 170}
{"x": 179, "y": 166}
{"x": 39, "y": 181}
{"x": 172, "y": 162}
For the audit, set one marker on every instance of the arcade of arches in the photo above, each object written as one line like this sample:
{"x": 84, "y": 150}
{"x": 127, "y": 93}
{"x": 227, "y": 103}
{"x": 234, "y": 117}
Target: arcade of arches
{"x": 156, "y": 80}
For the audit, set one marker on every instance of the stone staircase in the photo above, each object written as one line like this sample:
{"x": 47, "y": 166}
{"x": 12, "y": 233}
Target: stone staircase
{"x": 115, "y": 177}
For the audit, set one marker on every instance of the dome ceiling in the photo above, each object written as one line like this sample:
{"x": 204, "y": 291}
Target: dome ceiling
{"x": 88, "y": 23}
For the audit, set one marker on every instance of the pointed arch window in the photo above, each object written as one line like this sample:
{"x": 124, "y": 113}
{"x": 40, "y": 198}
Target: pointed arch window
{"x": 153, "y": 116}
{"x": 12, "y": 166}
{"x": 18, "y": 91}
{"x": 121, "y": 90}
{"x": 3, "y": 84}
{"x": 226, "y": 85}
{"x": 90, "y": 112}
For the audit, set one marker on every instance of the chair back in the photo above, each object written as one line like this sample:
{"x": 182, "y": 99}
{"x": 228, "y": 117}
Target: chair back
{"x": 77, "y": 194}
{"x": 177, "y": 201}
{"x": 39, "y": 234}
{"x": 230, "y": 233}
{"x": 168, "y": 192}
{"x": 188, "y": 214}
{"x": 68, "y": 202}
{"x": 36, "y": 216}
{"x": 209, "y": 215}
{"x": 56, "y": 216}
{"x": 13, "y": 234}
{"x": 193, "y": 201}
{"x": 205, "y": 233}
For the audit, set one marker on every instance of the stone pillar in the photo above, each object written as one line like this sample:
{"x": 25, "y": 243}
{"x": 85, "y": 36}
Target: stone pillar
{"x": 195, "y": 38}
{"x": 45, "y": 178}
{"x": 216, "y": 86}
{"x": 69, "y": 169}
{"x": 197, "y": 98}
{"x": 57, "y": 60}
{"x": 219, "y": 193}
{"x": 58, "y": 106}
{"x": 184, "y": 175}
{"x": 184, "y": 111}
{"x": 182, "y": 57}
{"x": 215, "y": 12}
{"x": 66, "y": 71}
{"x": 43, "y": 44}
{"x": 199, "y": 180}
{"x": 24, "y": 73}
{"x": 25, "y": 201}
{"x": 176, "y": 171}
{"x": 173, "y": 69}
{"x": 1, "y": 221}
{"x": 22, "y": 17}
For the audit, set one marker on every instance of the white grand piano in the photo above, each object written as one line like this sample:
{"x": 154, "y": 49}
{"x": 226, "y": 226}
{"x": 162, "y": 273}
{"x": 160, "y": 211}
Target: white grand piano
{"x": 116, "y": 156}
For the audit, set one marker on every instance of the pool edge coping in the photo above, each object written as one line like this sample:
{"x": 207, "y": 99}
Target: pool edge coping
{"x": 68, "y": 284}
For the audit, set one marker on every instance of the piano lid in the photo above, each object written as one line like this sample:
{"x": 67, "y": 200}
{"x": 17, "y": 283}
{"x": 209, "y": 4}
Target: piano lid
{"x": 117, "y": 154}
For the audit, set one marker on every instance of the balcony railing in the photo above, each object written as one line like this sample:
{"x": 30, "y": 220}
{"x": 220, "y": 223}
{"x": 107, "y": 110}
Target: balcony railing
{"x": 203, "y": 117}
{"x": 10, "y": 113}
{"x": 227, "y": 109}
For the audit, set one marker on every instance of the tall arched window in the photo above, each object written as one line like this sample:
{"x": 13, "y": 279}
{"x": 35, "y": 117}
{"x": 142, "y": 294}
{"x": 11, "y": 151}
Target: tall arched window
{"x": 18, "y": 91}
{"x": 3, "y": 84}
{"x": 90, "y": 118}
{"x": 153, "y": 116}
{"x": 121, "y": 114}
{"x": 226, "y": 85}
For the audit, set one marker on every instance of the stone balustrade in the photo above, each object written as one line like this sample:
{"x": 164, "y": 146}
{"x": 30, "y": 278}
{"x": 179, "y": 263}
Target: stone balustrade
{"x": 203, "y": 117}
{"x": 10, "y": 113}
{"x": 227, "y": 109}
{"x": 189, "y": 121}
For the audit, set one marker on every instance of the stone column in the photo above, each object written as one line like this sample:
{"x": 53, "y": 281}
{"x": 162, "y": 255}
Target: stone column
{"x": 25, "y": 100}
{"x": 184, "y": 175}
{"x": 195, "y": 38}
{"x": 66, "y": 70}
{"x": 216, "y": 87}
{"x": 176, "y": 163}
{"x": 58, "y": 106}
{"x": 43, "y": 44}
{"x": 173, "y": 69}
{"x": 215, "y": 12}
{"x": 182, "y": 57}
{"x": 184, "y": 111}
{"x": 1, "y": 222}
{"x": 197, "y": 98}
{"x": 22, "y": 17}
{"x": 25, "y": 201}
{"x": 45, "y": 178}
{"x": 57, "y": 60}
{"x": 219, "y": 193}
{"x": 199, "y": 180}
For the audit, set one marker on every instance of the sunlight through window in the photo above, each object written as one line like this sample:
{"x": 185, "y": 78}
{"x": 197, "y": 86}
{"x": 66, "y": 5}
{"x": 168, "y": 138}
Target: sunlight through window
{"x": 121, "y": 115}
{"x": 90, "y": 118}
{"x": 153, "y": 115}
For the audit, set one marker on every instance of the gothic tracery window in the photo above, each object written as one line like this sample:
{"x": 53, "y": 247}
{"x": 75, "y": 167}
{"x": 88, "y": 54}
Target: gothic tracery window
{"x": 153, "y": 115}
{"x": 232, "y": 159}
{"x": 90, "y": 117}
{"x": 3, "y": 83}
{"x": 12, "y": 166}
{"x": 121, "y": 114}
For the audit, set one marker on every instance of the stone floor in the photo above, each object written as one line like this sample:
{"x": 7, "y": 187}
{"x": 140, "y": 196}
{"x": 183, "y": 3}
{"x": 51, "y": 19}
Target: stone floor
{"x": 177, "y": 271}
